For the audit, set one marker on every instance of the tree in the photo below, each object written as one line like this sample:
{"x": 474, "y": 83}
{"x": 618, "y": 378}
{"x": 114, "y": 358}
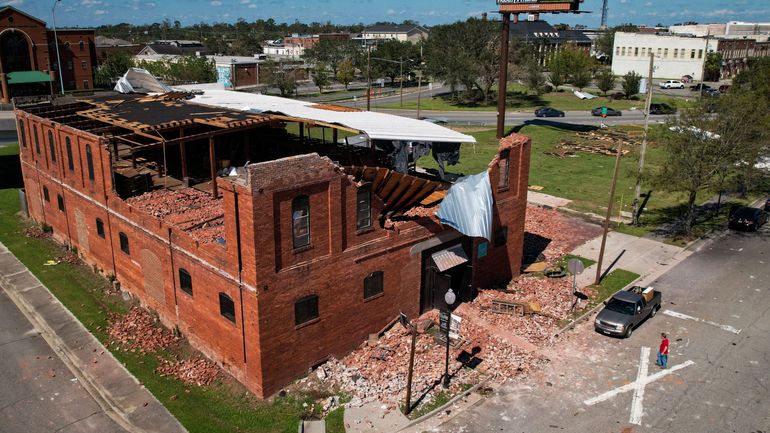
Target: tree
{"x": 115, "y": 65}
{"x": 276, "y": 76}
{"x": 605, "y": 43}
{"x": 466, "y": 53}
{"x": 320, "y": 76}
{"x": 534, "y": 78}
{"x": 395, "y": 51}
{"x": 332, "y": 51}
{"x": 756, "y": 78}
{"x": 570, "y": 65}
{"x": 345, "y": 72}
{"x": 605, "y": 80}
{"x": 630, "y": 84}
{"x": 713, "y": 67}
{"x": 702, "y": 149}
{"x": 581, "y": 78}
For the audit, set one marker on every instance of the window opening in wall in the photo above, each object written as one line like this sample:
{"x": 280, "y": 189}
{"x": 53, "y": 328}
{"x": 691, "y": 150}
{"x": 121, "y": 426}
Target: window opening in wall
{"x": 665, "y": 53}
{"x": 305, "y": 310}
{"x": 226, "y": 307}
{"x": 83, "y": 65}
{"x": 373, "y": 284}
{"x": 692, "y": 54}
{"x": 82, "y": 46}
{"x": 124, "y": 243}
{"x": 501, "y": 236}
{"x": 100, "y": 228}
{"x": 185, "y": 281}
{"x": 504, "y": 164}
{"x": 636, "y": 51}
{"x": 68, "y": 146}
{"x": 23, "y": 134}
{"x": 51, "y": 146}
{"x": 300, "y": 215}
{"x": 46, "y": 196}
{"x": 90, "y": 162}
{"x": 85, "y": 84}
{"x": 60, "y": 202}
{"x": 700, "y": 54}
{"x": 363, "y": 207}
{"x": 37, "y": 140}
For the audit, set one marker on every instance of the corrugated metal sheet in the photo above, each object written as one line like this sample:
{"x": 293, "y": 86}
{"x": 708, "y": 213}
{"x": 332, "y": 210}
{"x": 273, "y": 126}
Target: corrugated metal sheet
{"x": 378, "y": 126}
{"x": 450, "y": 257}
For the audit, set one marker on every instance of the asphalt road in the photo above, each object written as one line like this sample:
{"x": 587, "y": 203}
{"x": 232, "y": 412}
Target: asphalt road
{"x": 717, "y": 379}
{"x": 37, "y": 391}
{"x": 489, "y": 118}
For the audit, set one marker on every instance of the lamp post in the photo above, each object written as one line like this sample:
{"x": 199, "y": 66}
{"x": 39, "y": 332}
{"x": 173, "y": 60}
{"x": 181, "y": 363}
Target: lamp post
{"x": 401, "y": 70}
{"x": 56, "y": 43}
{"x": 449, "y": 298}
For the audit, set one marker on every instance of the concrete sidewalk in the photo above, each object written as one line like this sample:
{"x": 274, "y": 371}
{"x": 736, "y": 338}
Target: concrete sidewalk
{"x": 646, "y": 257}
{"x": 118, "y": 392}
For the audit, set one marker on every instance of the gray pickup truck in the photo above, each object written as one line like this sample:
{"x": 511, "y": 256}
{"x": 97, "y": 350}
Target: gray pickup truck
{"x": 626, "y": 310}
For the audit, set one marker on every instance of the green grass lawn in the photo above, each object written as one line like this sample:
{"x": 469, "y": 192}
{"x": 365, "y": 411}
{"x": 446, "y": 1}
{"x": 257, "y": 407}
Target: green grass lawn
{"x": 521, "y": 100}
{"x": 584, "y": 179}
{"x": 224, "y": 407}
{"x": 613, "y": 282}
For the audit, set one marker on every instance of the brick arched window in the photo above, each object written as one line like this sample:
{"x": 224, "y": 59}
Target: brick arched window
{"x": 51, "y": 146}
{"x": 226, "y": 307}
{"x": 70, "y": 162}
{"x": 300, "y": 220}
{"x": 23, "y": 134}
{"x": 90, "y": 162}
{"x": 37, "y": 140}
{"x": 185, "y": 281}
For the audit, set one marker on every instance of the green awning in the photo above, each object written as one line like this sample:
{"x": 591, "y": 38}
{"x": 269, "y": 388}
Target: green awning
{"x": 25, "y": 77}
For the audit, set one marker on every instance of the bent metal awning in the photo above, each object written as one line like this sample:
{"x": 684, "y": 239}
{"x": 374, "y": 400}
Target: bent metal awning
{"x": 26, "y": 77}
{"x": 450, "y": 257}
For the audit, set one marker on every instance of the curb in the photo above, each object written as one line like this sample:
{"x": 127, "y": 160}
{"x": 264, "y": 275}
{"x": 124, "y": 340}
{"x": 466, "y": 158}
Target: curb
{"x": 443, "y": 407}
{"x": 110, "y": 407}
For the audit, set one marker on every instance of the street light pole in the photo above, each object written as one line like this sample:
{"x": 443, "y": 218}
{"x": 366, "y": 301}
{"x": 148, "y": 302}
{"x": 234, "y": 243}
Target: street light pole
{"x": 401, "y": 82}
{"x": 368, "y": 78}
{"x": 56, "y": 43}
{"x": 449, "y": 298}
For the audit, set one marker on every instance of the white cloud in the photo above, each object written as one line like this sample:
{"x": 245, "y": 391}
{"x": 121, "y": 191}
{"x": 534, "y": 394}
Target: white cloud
{"x": 89, "y": 3}
{"x": 245, "y": 2}
{"x": 12, "y": 3}
{"x": 216, "y": 3}
{"x": 252, "y": 6}
{"x": 390, "y": 12}
{"x": 100, "y": 12}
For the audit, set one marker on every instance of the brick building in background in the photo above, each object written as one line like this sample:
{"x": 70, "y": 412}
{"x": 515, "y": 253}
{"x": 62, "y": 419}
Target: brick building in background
{"x": 269, "y": 249}
{"x": 28, "y": 64}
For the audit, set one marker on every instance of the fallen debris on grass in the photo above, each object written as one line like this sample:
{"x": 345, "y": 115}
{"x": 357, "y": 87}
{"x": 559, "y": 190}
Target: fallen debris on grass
{"x": 194, "y": 371}
{"x": 139, "y": 331}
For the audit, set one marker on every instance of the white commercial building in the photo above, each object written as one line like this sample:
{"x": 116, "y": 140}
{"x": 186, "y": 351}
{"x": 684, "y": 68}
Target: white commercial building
{"x": 732, "y": 29}
{"x": 675, "y": 56}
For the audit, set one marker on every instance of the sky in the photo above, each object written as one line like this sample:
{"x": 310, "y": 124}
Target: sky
{"x": 92, "y": 13}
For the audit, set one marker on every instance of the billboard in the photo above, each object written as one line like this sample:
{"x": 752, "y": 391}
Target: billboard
{"x": 538, "y": 5}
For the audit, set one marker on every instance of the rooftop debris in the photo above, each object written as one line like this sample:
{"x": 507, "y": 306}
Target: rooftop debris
{"x": 188, "y": 209}
{"x": 139, "y": 331}
{"x": 602, "y": 142}
{"x": 194, "y": 371}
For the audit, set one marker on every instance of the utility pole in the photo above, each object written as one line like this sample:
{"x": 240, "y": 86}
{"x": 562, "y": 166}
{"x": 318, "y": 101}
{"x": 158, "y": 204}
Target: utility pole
{"x": 368, "y": 77}
{"x": 419, "y": 84}
{"x": 605, "y": 10}
{"x": 401, "y": 90}
{"x": 56, "y": 43}
{"x": 609, "y": 213}
{"x": 648, "y": 101}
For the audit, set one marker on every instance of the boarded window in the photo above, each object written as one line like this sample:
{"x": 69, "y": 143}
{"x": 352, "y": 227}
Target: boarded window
{"x": 46, "y": 196}
{"x": 51, "y": 146}
{"x": 226, "y": 307}
{"x": 37, "y": 140}
{"x": 504, "y": 164}
{"x": 305, "y": 310}
{"x": 363, "y": 208}
{"x": 124, "y": 243}
{"x": 23, "y": 133}
{"x": 373, "y": 285}
{"x": 90, "y": 162}
{"x": 60, "y": 202}
{"x": 501, "y": 236}
{"x": 100, "y": 228}
{"x": 185, "y": 281}
{"x": 300, "y": 217}
{"x": 68, "y": 146}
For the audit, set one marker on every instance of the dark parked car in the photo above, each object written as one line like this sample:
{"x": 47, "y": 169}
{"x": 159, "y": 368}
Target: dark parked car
{"x": 767, "y": 205}
{"x": 747, "y": 218}
{"x": 548, "y": 112}
{"x": 724, "y": 88}
{"x": 610, "y": 111}
{"x": 698, "y": 86}
{"x": 712, "y": 92}
{"x": 662, "y": 109}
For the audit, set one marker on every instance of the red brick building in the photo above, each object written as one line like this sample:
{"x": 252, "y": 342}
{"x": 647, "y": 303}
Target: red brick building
{"x": 277, "y": 264}
{"x": 28, "y": 56}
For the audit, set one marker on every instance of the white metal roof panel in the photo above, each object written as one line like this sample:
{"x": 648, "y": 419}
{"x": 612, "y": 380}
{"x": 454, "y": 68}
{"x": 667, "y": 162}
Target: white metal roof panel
{"x": 378, "y": 126}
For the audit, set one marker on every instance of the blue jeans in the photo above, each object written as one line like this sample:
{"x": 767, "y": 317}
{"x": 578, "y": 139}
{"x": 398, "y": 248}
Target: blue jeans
{"x": 662, "y": 360}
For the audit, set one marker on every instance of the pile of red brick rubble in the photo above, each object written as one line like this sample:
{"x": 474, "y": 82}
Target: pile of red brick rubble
{"x": 139, "y": 331}
{"x": 195, "y": 371}
{"x": 189, "y": 209}
{"x": 562, "y": 233}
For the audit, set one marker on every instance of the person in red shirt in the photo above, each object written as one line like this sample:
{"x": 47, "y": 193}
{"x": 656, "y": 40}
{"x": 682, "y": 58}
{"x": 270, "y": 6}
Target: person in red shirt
{"x": 663, "y": 351}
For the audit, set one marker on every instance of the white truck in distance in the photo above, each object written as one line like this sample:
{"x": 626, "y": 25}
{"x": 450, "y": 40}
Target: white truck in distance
{"x": 672, "y": 84}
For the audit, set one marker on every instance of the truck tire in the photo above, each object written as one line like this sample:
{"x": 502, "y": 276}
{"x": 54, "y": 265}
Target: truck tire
{"x": 654, "y": 310}
{"x": 629, "y": 331}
